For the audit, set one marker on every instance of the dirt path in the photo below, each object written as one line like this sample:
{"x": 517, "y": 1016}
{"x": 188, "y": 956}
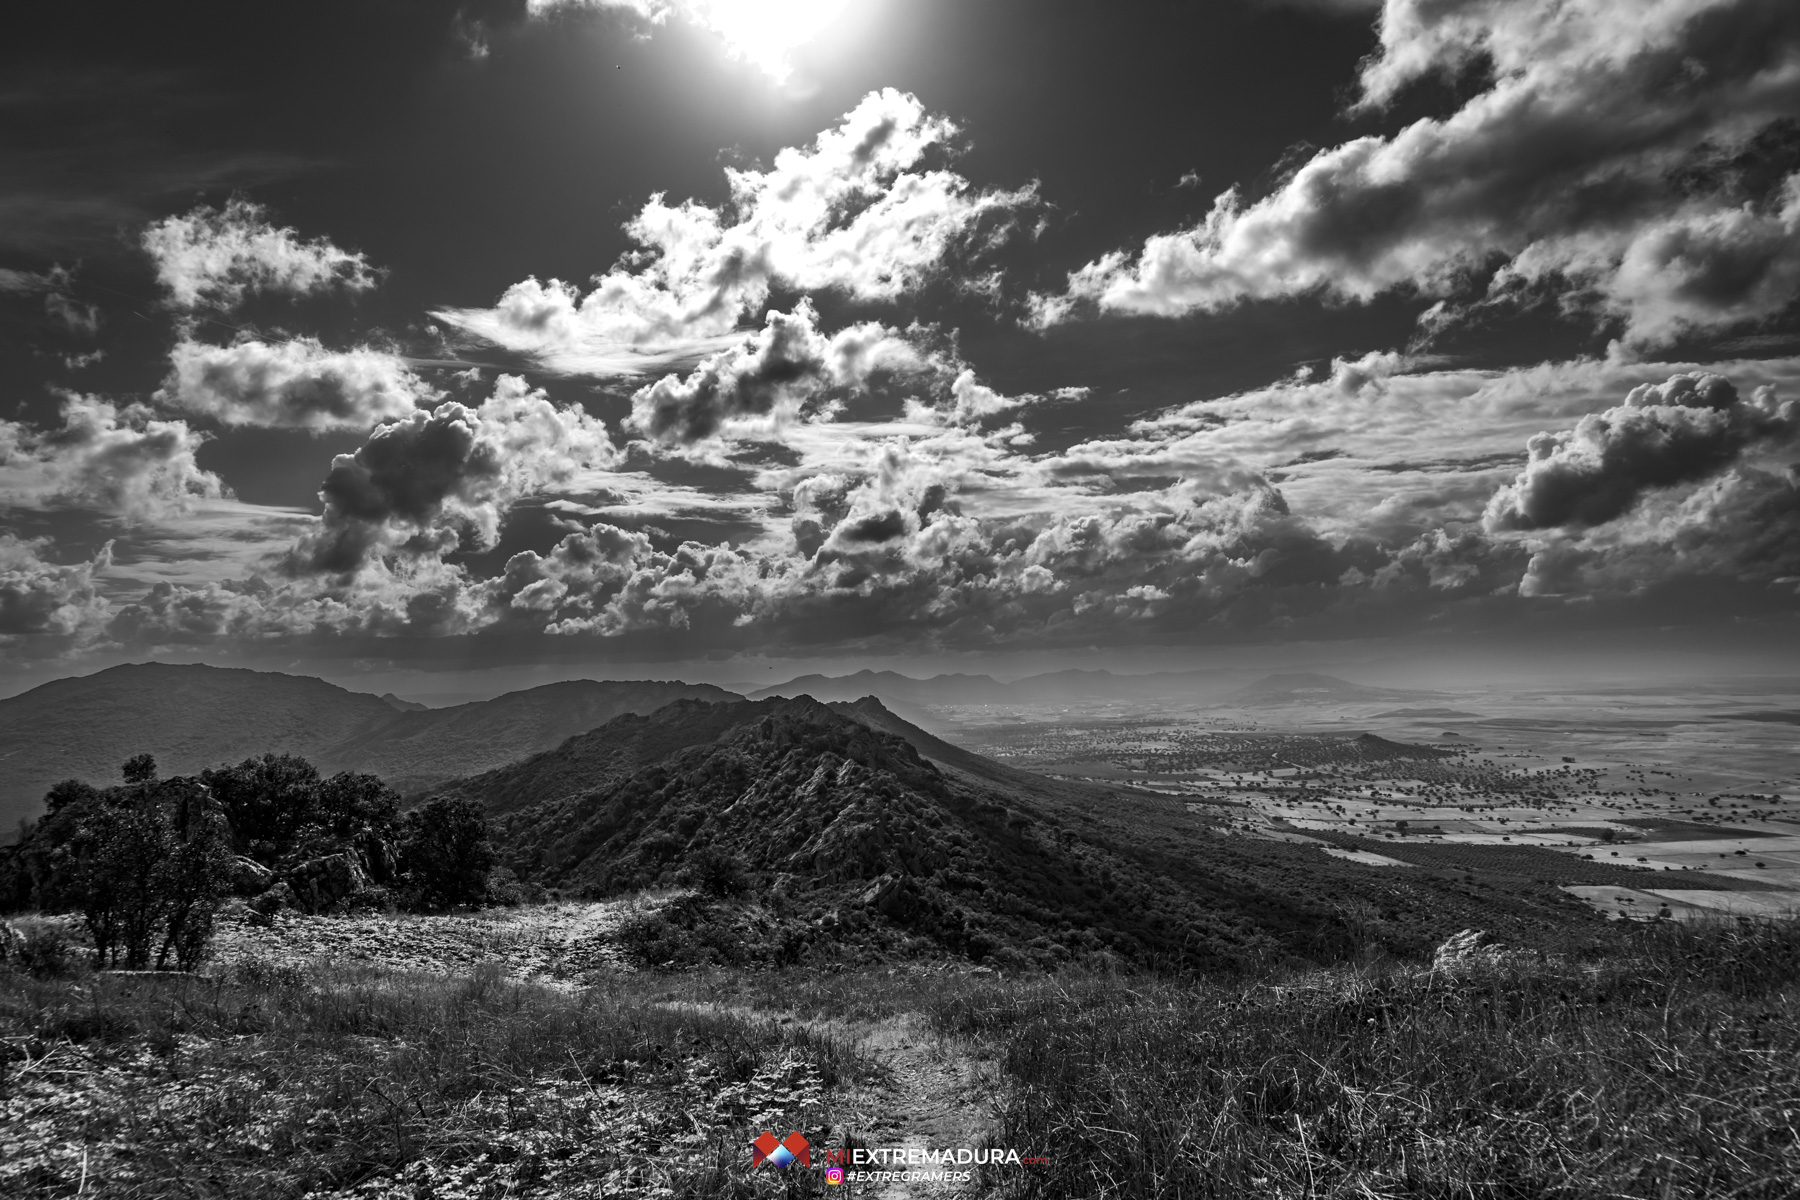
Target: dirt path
{"x": 933, "y": 1097}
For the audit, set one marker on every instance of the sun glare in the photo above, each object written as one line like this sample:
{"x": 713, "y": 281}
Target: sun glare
{"x": 767, "y": 32}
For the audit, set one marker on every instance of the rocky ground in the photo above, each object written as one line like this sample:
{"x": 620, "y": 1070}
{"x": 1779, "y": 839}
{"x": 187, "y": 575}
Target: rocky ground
{"x": 560, "y": 944}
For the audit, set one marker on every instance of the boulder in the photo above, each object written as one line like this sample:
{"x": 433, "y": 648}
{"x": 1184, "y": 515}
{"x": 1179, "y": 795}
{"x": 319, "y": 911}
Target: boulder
{"x": 248, "y": 877}
{"x": 274, "y": 900}
{"x": 325, "y": 883}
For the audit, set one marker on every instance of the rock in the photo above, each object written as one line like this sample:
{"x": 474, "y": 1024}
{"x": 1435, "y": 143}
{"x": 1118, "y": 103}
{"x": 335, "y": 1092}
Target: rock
{"x": 249, "y": 877}
{"x": 236, "y": 909}
{"x": 885, "y": 895}
{"x": 274, "y": 900}
{"x": 322, "y": 883}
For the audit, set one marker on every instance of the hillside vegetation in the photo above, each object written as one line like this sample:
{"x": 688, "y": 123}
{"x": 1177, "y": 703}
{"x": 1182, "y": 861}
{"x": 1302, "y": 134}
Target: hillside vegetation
{"x": 841, "y": 830}
{"x": 191, "y": 717}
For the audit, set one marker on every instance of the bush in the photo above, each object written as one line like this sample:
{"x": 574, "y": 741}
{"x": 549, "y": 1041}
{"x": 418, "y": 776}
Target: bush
{"x": 716, "y": 873}
{"x": 149, "y": 870}
{"x": 446, "y": 855}
{"x": 43, "y": 949}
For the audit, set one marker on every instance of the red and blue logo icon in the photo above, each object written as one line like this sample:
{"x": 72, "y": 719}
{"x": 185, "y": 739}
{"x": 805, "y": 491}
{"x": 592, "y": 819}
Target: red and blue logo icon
{"x": 784, "y": 1153}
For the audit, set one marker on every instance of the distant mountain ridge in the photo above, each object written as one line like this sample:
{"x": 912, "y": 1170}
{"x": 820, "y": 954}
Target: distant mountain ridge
{"x": 1047, "y": 688}
{"x": 1309, "y": 687}
{"x": 191, "y": 716}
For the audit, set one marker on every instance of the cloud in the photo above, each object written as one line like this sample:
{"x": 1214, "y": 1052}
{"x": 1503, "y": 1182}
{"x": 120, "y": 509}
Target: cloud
{"x": 54, "y": 285}
{"x": 762, "y": 32}
{"x": 295, "y": 384}
{"x": 854, "y": 213}
{"x": 40, "y": 600}
{"x": 214, "y": 257}
{"x": 434, "y": 482}
{"x": 120, "y": 462}
{"x": 762, "y": 381}
{"x": 1685, "y": 430}
{"x": 1597, "y": 162}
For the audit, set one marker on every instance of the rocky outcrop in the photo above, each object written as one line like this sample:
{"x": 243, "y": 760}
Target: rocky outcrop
{"x": 248, "y": 877}
{"x": 327, "y": 884}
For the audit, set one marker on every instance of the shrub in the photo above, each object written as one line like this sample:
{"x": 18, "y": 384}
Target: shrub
{"x": 716, "y": 873}
{"x": 446, "y": 855}
{"x": 43, "y": 949}
{"x": 149, "y": 870}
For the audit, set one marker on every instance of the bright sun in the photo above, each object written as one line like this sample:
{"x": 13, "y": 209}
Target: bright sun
{"x": 765, "y": 32}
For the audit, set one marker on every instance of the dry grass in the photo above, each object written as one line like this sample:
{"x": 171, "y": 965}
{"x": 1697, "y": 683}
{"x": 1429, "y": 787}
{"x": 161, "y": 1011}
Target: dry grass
{"x": 1670, "y": 1071}
{"x": 273, "y": 1081}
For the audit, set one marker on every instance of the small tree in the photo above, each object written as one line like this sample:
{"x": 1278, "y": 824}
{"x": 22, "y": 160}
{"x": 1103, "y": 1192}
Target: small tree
{"x": 119, "y": 853}
{"x": 139, "y": 768}
{"x": 446, "y": 853}
{"x": 192, "y": 880}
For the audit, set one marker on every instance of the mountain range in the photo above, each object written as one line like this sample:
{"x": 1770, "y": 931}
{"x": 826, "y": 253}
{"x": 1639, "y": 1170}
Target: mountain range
{"x": 1055, "y": 687}
{"x": 858, "y": 828}
{"x": 192, "y": 716}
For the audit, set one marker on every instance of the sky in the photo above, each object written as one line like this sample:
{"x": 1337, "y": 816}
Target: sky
{"x": 458, "y": 345}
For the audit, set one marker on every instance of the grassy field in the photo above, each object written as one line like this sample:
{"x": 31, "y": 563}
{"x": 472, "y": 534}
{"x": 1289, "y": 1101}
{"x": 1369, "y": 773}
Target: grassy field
{"x": 1664, "y": 1063}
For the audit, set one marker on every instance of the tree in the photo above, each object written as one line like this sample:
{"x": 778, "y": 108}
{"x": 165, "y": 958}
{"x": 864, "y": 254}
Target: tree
{"x": 148, "y": 872}
{"x": 359, "y": 813}
{"x": 446, "y": 853}
{"x": 139, "y": 768}
{"x": 119, "y": 851}
{"x": 268, "y": 800}
{"x": 193, "y": 877}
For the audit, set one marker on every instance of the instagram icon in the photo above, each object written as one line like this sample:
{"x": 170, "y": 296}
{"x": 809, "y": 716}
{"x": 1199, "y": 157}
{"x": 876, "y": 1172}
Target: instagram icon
{"x": 834, "y": 1175}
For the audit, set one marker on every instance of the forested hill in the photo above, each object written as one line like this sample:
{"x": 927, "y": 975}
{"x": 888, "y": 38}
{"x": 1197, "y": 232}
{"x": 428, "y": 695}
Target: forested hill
{"x": 190, "y": 717}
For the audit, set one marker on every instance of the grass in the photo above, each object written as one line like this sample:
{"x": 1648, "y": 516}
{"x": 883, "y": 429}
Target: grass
{"x": 273, "y": 1081}
{"x": 1672, "y": 1069}
{"x": 1663, "y": 1062}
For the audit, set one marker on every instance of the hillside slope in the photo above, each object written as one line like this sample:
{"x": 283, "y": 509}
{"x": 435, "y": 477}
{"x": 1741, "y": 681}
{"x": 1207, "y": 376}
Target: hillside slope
{"x": 189, "y": 717}
{"x": 416, "y": 749}
{"x": 861, "y": 818}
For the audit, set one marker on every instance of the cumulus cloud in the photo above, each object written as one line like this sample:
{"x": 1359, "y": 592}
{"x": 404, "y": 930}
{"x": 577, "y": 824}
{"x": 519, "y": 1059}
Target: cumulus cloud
{"x": 217, "y": 256}
{"x": 295, "y": 384}
{"x": 122, "y": 462}
{"x": 1687, "y": 429}
{"x": 763, "y": 380}
{"x": 40, "y": 599}
{"x": 1594, "y": 162}
{"x": 439, "y": 481}
{"x": 856, "y": 212}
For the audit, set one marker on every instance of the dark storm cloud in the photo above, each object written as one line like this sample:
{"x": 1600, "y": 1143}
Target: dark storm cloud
{"x": 437, "y": 481}
{"x": 1579, "y": 168}
{"x": 1685, "y": 430}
